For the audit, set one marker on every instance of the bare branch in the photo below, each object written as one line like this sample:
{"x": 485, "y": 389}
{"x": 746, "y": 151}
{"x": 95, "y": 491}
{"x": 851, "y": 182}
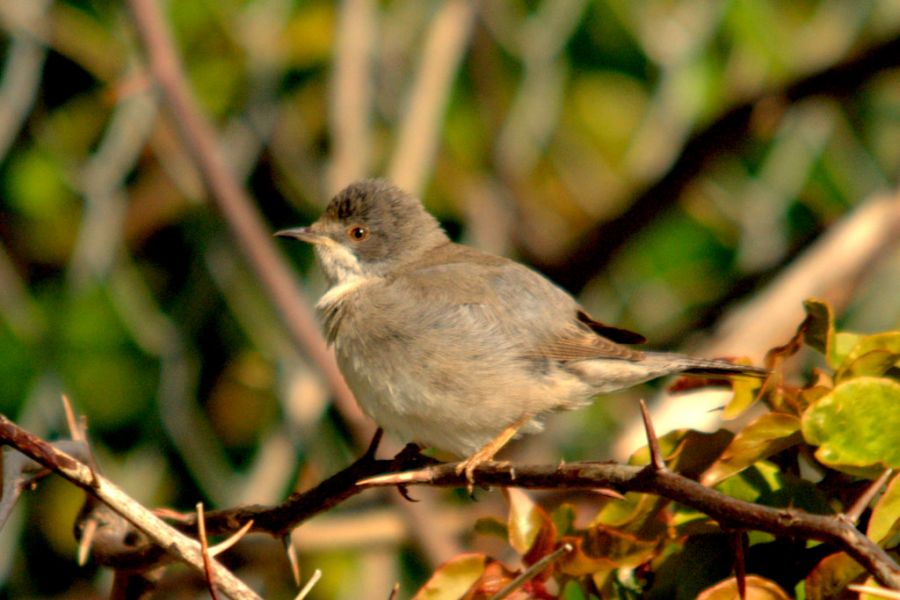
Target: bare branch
{"x": 351, "y": 93}
{"x": 417, "y": 141}
{"x": 237, "y": 209}
{"x": 531, "y": 572}
{"x": 96, "y": 485}
{"x": 856, "y": 511}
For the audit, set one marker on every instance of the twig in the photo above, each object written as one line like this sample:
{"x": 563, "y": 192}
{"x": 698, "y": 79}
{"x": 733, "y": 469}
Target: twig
{"x": 531, "y": 572}
{"x": 351, "y": 94}
{"x": 855, "y": 512}
{"x": 600, "y": 245}
{"x": 25, "y": 55}
{"x": 97, "y": 486}
{"x": 417, "y": 141}
{"x": 235, "y": 206}
{"x": 204, "y": 552}
{"x": 316, "y": 576}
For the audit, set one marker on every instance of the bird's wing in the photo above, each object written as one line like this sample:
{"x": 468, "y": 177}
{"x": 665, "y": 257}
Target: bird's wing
{"x": 510, "y": 305}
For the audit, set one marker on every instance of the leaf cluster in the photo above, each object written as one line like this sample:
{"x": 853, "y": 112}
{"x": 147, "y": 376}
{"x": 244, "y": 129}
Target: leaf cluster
{"x": 816, "y": 446}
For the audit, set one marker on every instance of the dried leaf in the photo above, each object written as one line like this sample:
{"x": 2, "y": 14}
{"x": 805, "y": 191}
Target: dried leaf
{"x": 831, "y": 576}
{"x": 819, "y": 325}
{"x": 884, "y": 524}
{"x": 767, "y": 435}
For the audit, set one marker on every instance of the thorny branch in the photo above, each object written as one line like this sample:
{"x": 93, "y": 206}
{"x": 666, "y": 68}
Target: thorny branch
{"x": 729, "y": 512}
{"x": 98, "y": 487}
{"x": 369, "y": 472}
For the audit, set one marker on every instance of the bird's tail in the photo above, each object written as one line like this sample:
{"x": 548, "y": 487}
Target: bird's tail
{"x": 690, "y": 365}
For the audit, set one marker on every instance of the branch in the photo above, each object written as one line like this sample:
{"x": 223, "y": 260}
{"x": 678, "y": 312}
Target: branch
{"x": 729, "y": 512}
{"x": 247, "y": 225}
{"x": 237, "y": 209}
{"x": 417, "y": 141}
{"x": 725, "y": 134}
{"x": 368, "y": 472}
{"x": 163, "y": 535}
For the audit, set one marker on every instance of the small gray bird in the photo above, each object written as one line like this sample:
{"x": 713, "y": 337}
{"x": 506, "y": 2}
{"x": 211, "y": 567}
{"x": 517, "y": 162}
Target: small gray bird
{"x": 456, "y": 349}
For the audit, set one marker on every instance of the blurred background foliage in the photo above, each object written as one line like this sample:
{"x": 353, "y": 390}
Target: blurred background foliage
{"x": 665, "y": 160}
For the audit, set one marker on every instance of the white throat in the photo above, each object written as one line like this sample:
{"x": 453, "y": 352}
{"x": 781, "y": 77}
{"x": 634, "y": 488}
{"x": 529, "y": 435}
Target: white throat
{"x": 343, "y": 268}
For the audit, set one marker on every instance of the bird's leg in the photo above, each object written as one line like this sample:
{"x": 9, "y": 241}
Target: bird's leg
{"x": 487, "y": 452}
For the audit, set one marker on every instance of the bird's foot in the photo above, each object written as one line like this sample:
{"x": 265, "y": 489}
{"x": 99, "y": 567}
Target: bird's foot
{"x": 472, "y": 463}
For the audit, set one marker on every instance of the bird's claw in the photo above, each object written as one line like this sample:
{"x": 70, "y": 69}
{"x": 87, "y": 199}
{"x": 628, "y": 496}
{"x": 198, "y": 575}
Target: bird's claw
{"x": 471, "y": 464}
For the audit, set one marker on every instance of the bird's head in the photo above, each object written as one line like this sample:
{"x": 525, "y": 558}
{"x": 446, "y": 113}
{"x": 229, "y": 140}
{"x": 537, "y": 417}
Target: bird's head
{"x": 369, "y": 229}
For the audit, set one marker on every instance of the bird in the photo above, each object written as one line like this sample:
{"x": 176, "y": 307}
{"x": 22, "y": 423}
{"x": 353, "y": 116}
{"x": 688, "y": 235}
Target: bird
{"x": 455, "y": 349}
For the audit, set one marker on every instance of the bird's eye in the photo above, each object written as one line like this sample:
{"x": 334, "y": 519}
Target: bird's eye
{"x": 357, "y": 233}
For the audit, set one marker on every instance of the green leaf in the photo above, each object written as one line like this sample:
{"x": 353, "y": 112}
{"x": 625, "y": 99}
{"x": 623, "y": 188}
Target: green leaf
{"x": 637, "y": 513}
{"x": 769, "y": 434}
{"x": 563, "y": 517}
{"x": 453, "y": 579}
{"x": 875, "y": 364}
{"x": 745, "y": 394}
{"x": 766, "y": 483}
{"x": 857, "y": 425}
{"x": 844, "y": 342}
{"x": 889, "y": 341}
{"x": 572, "y": 591}
{"x": 492, "y": 526}
{"x": 871, "y": 355}
{"x": 884, "y": 524}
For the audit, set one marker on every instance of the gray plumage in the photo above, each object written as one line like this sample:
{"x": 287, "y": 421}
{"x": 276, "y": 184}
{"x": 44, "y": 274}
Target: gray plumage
{"x": 445, "y": 345}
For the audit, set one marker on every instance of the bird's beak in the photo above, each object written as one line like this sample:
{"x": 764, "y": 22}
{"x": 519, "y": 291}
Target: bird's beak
{"x": 304, "y": 234}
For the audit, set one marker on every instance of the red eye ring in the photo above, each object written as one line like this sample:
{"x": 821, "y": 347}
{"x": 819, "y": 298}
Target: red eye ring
{"x": 357, "y": 233}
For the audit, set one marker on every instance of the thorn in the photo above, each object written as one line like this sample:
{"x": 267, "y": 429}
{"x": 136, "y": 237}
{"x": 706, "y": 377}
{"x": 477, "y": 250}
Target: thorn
{"x": 859, "y": 507}
{"x": 393, "y": 478}
{"x": 233, "y": 539}
{"x": 172, "y": 515}
{"x": 532, "y": 571}
{"x": 395, "y": 591}
{"x": 87, "y": 538}
{"x": 293, "y": 560}
{"x": 75, "y": 430}
{"x": 204, "y": 551}
{"x": 373, "y": 445}
{"x": 656, "y": 458}
{"x": 317, "y": 574}
{"x": 404, "y": 491}
{"x": 739, "y": 541}
{"x": 608, "y": 493}
{"x": 875, "y": 591}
